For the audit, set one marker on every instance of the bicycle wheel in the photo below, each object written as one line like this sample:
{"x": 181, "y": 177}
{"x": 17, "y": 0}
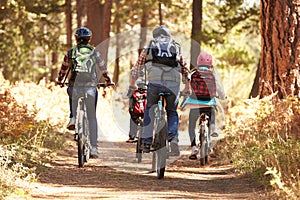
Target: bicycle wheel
{"x": 203, "y": 145}
{"x": 81, "y": 128}
{"x": 139, "y": 145}
{"x": 161, "y": 151}
{"x": 80, "y": 142}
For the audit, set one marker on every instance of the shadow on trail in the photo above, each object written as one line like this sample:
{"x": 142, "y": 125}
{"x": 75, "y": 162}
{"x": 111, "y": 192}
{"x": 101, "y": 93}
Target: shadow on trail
{"x": 179, "y": 179}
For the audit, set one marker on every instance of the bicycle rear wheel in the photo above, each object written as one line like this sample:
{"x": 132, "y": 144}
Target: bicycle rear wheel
{"x": 203, "y": 147}
{"x": 81, "y": 128}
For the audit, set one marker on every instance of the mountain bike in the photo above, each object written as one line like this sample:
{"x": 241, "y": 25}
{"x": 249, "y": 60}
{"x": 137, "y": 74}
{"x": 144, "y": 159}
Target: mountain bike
{"x": 82, "y": 134}
{"x": 160, "y": 137}
{"x": 204, "y": 125}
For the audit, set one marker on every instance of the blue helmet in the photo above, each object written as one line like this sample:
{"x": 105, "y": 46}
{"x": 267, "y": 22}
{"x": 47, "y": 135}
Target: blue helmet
{"x": 83, "y": 33}
{"x": 161, "y": 30}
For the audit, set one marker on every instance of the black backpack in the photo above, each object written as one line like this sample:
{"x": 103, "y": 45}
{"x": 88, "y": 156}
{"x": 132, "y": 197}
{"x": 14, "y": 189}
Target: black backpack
{"x": 163, "y": 53}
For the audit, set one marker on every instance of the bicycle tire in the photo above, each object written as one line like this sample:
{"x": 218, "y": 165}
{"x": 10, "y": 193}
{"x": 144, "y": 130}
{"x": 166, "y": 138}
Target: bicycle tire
{"x": 204, "y": 149}
{"x": 82, "y": 127}
{"x": 139, "y": 149}
{"x": 80, "y": 141}
{"x": 161, "y": 151}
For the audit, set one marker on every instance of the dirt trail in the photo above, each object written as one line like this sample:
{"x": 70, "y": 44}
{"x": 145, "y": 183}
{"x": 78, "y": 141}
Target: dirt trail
{"x": 116, "y": 175}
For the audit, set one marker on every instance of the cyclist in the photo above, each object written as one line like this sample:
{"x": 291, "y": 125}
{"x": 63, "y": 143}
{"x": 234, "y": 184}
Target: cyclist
{"x": 164, "y": 63}
{"x": 204, "y": 62}
{"x": 136, "y": 109}
{"x": 83, "y": 80}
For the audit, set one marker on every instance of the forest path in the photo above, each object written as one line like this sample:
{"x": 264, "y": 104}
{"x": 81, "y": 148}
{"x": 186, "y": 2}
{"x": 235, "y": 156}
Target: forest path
{"x": 117, "y": 175}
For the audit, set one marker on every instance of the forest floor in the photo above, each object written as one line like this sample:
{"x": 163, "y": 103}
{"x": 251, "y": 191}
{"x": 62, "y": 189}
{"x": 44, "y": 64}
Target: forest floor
{"x": 117, "y": 175}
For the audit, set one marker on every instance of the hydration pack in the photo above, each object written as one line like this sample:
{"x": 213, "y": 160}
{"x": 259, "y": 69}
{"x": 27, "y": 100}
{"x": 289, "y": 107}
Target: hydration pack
{"x": 164, "y": 53}
{"x": 137, "y": 102}
{"x": 83, "y": 63}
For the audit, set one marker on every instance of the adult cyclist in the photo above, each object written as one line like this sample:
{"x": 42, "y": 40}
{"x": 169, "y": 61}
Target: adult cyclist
{"x": 164, "y": 64}
{"x": 83, "y": 79}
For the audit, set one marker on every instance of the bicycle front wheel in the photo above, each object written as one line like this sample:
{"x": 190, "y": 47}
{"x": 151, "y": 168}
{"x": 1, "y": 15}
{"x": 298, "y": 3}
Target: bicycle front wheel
{"x": 161, "y": 151}
{"x": 139, "y": 150}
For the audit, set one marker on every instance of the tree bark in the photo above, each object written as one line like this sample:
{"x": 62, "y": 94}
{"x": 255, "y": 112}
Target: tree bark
{"x": 106, "y": 27}
{"x": 196, "y": 32}
{"x": 68, "y": 12}
{"x": 160, "y": 13}
{"x": 280, "y": 54}
{"x": 143, "y": 33}
{"x": 54, "y": 71}
{"x": 95, "y": 20}
{"x": 81, "y": 12}
{"x": 117, "y": 61}
{"x": 255, "y": 86}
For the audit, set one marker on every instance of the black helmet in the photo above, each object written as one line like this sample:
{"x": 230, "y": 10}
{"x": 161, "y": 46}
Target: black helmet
{"x": 160, "y": 30}
{"x": 83, "y": 34}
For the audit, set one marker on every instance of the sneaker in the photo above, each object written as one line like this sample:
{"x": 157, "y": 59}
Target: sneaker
{"x": 131, "y": 140}
{"x": 215, "y": 134}
{"x": 174, "y": 149}
{"x": 146, "y": 148}
{"x": 71, "y": 124}
{"x": 76, "y": 137}
{"x": 194, "y": 153}
{"x": 94, "y": 152}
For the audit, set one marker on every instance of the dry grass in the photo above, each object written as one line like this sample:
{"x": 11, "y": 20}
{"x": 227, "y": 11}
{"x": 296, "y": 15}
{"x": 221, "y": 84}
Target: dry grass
{"x": 263, "y": 139}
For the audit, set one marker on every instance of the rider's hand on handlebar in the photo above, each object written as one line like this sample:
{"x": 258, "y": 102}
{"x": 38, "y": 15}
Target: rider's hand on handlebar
{"x": 60, "y": 84}
{"x": 131, "y": 89}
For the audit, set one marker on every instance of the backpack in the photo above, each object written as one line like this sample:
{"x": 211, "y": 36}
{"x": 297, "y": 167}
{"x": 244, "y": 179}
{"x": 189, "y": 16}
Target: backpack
{"x": 137, "y": 104}
{"x": 164, "y": 53}
{"x": 83, "y": 63}
{"x": 203, "y": 84}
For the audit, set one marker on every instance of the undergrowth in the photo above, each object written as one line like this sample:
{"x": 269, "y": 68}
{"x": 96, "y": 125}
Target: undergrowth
{"x": 26, "y": 142}
{"x": 263, "y": 140}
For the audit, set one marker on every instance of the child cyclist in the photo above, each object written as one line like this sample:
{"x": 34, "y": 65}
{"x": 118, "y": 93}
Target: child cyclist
{"x": 137, "y": 106}
{"x": 204, "y": 65}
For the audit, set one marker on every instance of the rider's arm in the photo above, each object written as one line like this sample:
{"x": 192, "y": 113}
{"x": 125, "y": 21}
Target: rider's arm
{"x": 135, "y": 71}
{"x": 64, "y": 68}
{"x": 101, "y": 69}
{"x": 220, "y": 90}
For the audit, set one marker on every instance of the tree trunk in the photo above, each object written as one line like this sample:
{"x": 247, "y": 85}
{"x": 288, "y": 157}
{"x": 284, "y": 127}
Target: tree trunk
{"x": 280, "y": 55}
{"x": 95, "y": 20}
{"x": 54, "y": 71}
{"x": 68, "y": 12}
{"x": 81, "y": 12}
{"x": 196, "y": 32}
{"x": 117, "y": 61}
{"x": 255, "y": 86}
{"x": 106, "y": 28}
{"x": 160, "y": 14}
{"x": 143, "y": 33}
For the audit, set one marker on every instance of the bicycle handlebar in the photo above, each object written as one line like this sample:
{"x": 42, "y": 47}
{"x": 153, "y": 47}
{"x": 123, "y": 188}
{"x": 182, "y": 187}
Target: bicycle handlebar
{"x": 98, "y": 84}
{"x": 105, "y": 85}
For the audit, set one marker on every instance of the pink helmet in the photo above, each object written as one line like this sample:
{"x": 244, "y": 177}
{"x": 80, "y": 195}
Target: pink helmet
{"x": 204, "y": 59}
